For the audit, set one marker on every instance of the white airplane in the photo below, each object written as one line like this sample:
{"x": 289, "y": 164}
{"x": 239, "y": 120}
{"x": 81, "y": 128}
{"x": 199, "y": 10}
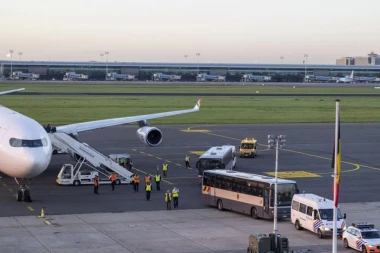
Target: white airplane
{"x": 347, "y": 79}
{"x": 26, "y": 149}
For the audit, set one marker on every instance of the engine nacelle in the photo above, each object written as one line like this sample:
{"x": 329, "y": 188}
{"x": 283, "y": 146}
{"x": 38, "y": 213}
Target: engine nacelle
{"x": 149, "y": 135}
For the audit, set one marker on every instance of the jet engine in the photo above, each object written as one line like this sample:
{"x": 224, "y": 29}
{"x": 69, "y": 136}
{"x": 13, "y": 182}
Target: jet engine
{"x": 149, "y": 135}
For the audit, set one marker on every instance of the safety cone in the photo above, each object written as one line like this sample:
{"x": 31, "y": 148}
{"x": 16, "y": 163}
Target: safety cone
{"x": 42, "y": 214}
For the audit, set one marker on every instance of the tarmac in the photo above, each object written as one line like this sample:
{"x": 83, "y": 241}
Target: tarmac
{"x": 176, "y": 231}
{"x": 121, "y": 221}
{"x": 306, "y": 159}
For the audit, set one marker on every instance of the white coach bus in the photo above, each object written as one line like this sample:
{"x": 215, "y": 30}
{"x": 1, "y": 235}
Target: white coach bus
{"x": 222, "y": 157}
{"x": 247, "y": 193}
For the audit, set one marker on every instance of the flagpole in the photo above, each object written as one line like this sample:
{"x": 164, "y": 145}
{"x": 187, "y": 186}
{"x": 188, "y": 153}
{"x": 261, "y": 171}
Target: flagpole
{"x": 335, "y": 246}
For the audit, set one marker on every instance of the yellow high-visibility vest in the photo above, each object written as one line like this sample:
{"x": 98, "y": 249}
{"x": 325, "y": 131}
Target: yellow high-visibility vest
{"x": 165, "y": 167}
{"x": 148, "y": 187}
{"x": 158, "y": 178}
{"x": 175, "y": 194}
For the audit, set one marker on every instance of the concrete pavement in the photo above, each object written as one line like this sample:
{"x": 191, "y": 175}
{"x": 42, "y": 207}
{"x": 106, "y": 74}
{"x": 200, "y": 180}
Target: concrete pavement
{"x": 176, "y": 231}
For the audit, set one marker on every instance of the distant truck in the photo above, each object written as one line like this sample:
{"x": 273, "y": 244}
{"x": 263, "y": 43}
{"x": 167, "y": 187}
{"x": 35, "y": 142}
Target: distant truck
{"x": 248, "y": 148}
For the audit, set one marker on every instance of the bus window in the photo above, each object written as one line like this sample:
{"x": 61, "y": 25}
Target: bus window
{"x": 206, "y": 180}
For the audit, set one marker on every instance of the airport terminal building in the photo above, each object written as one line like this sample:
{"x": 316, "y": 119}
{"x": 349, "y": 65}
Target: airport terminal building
{"x": 188, "y": 71}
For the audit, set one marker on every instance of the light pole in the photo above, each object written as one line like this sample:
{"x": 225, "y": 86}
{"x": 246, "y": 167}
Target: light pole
{"x": 186, "y": 57}
{"x": 282, "y": 58}
{"x": 106, "y": 53}
{"x": 11, "y": 52}
{"x": 198, "y": 54}
{"x": 101, "y": 57}
{"x": 20, "y": 53}
{"x": 280, "y": 142}
{"x": 305, "y": 62}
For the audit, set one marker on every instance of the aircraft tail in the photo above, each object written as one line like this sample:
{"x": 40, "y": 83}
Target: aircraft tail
{"x": 352, "y": 75}
{"x": 10, "y": 91}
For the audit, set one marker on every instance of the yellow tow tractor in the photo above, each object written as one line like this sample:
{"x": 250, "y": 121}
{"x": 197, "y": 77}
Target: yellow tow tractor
{"x": 248, "y": 148}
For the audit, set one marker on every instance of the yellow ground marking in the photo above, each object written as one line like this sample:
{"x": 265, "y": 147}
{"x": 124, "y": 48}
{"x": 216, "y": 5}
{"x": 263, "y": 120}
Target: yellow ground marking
{"x": 159, "y": 158}
{"x": 178, "y": 164}
{"x": 166, "y": 181}
{"x": 134, "y": 149}
{"x": 168, "y": 161}
{"x": 10, "y": 189}
{"x": 195, "y": 131}
{"x": 197, "y": 152}
{"x": 293, "y": 174}
{"x": 149, "y": 155}
{"x": 47, "y": 222}
{"x": 5, "y": 184}
{"x": 30, "y": 208}
{"x": 357, "y": 166}
{"x": 142, "y": 152}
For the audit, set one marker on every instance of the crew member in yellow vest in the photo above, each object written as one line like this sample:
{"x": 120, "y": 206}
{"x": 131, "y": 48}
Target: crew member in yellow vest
{"x": 175, "y": 193}
{"x": 165, "y": 169}
{"x": 187, "y": 161}
{"x": 158, "y": 181}
{"x": 168, "y": 200}
{"x": 148, "y": 189}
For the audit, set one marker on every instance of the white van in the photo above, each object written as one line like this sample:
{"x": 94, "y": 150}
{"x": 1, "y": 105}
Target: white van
{"x": 315, "y": 213}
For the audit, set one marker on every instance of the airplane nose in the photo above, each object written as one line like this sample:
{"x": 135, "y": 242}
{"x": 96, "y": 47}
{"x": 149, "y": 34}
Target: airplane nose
{"x": 36, "y": 163}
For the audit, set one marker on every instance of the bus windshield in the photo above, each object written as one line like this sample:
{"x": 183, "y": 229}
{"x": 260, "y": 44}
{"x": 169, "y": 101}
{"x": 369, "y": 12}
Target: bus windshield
{"x": 285, "y": 194}
{"x": 209, "y": 164}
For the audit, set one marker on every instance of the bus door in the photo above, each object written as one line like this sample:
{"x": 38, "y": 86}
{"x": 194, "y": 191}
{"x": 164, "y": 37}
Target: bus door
{"x": 266, "y": 200}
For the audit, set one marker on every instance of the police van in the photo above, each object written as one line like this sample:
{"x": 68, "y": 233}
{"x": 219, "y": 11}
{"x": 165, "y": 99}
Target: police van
{"x": 315, "y": 214}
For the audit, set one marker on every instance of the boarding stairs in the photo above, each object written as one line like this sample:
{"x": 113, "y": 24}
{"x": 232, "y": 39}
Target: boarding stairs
{"x": 98, "y": 161}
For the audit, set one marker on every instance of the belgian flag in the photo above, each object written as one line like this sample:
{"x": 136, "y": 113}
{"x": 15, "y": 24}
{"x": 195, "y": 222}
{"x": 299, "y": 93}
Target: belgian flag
{"x": 337, "y": 156}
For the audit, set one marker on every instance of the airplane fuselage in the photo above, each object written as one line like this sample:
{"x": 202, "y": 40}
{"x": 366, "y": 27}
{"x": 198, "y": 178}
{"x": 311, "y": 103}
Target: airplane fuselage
{"x": 25, "y": 147}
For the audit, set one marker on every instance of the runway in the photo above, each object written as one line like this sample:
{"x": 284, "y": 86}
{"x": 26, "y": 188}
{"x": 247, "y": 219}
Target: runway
{"x": 306, "y": 159}
{"x": 194, "y": 94}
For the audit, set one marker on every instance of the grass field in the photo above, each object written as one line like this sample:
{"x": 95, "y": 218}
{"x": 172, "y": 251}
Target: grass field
{"x": 61, "y": 110}
{"x": 147, "y": 87}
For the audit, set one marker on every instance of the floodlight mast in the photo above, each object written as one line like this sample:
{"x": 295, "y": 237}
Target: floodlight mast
{"x": 280, "y": 142}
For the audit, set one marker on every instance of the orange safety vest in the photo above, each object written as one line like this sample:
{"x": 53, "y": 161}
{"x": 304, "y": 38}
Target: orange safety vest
{"x": 147, "y": 179}
{"x": 137, "y": 179}
{"x": 113, "y": 177}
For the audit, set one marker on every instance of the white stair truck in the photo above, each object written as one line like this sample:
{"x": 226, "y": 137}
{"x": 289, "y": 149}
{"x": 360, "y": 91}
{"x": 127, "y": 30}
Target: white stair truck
{"x": 84, "y": 154}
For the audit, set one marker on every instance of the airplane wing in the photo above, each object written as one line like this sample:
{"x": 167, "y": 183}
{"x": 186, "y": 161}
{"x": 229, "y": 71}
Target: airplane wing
{"x": 10, "y": 91}
{"x": 91, "y": 125}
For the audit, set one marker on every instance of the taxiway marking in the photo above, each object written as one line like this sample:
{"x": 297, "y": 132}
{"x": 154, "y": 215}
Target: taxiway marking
{"x": 293, "y": 174}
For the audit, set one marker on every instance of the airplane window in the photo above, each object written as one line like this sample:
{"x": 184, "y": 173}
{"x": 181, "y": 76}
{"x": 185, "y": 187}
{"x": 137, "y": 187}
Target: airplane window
{"x": 28, "y": 143}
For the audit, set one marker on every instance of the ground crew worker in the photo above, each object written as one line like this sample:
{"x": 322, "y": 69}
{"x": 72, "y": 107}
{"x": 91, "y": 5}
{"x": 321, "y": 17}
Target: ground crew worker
{"x": 96, "y": 184}
{"x": 187, "y": 161}
{"x": 158, "y": 180}
{"x": 168, "y": 200}
{"x": 113, "y": 181}
{"x": 165, "y": 169}
{"x": 121, "y": 162}
{"x": 137, "y": 182}
{"x": 133, "y": 181}
{"x": 147, "y": 179}
{"x": 175, "y": 197}
{"x": 148, "y": 189}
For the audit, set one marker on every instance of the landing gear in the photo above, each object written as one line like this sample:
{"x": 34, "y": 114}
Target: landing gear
{"x": 23, "y": 194}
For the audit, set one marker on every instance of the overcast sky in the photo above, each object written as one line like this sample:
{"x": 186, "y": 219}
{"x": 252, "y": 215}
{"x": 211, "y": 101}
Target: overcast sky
{"x": 239, "y": 31}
